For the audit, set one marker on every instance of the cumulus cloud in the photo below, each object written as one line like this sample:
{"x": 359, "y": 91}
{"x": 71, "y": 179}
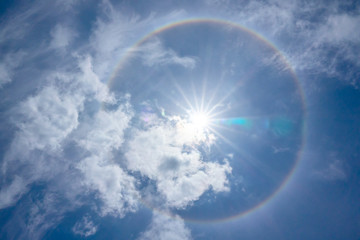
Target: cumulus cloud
{"x": 164, "y": 153}
{"x": 96, "y": 173}
{"x": 165, "y": 227}
{"x": 43, "y": 122}
{"x": 105, "y": 131}
{"x": 99, "y": 136}
{"x": 46, "y": 119}
{"x": 46, "y": 124}
{"x": 115, "y": 187}
{"x": 53, "y": 119}
{"x": 85, "y": 227}
{"x": 90, "y": 83}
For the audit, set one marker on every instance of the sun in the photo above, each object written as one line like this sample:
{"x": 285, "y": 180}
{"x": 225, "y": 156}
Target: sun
{"x": 199, "y": 120}
{"x": 195, "y": 128}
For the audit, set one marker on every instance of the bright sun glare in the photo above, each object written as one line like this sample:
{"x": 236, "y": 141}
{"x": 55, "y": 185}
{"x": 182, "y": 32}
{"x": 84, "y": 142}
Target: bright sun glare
{"x": 199, "y": 120}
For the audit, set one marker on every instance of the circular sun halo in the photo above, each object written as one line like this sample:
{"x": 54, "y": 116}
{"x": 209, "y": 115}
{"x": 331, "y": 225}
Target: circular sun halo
{"x": 199, "y": 120}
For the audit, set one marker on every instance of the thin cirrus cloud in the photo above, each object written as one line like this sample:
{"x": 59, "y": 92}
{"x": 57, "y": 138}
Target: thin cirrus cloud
{"x": 153, "y": 53}
{"x": 115, "y": 32}
{"x": 61, "y": 36}
{"x": 334, "y": 171}
{"x": 85, "y": 227}
{"x": 305, "y": 31}
{"x": 8, "y": 65}
{"x": 11, "y": 193}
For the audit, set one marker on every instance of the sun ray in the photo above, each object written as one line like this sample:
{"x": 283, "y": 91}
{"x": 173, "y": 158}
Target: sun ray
{"x": 216, "y": 90}
{"x": 195, "y": 97}
{"x": 218, "y": 134}
{"x": 226, "y": 128}
{"x": 184, "y": 96}
{"x": 203, "y": 93}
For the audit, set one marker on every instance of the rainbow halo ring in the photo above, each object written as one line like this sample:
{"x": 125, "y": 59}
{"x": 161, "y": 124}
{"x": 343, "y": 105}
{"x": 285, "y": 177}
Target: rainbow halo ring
{"x": 233, "y": 94}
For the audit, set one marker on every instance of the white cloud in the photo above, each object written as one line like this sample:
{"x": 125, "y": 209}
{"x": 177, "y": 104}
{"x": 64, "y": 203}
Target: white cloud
{"x": 8, "y": 66}
{"x": 335, "y": 171}
{"x": 43, "y": 121}
{"x": 11, "y": 194}
{"x": 61, "y": 36}
{"x": 166, "y": 228}
{"x": 46, "y": 119}
{"x": 274, "y": 17}
{"x": 44, "y": 213}
{"x": 114, "y": 32}
{"x": 340, "y": 27}
{"x": 154, "y": 53}
{"x": 164, "y": 153}
{"x": 99, "y": 137}
{"x": 105, "y": 131}
{"x": 17, "y": 25}
{"x": 36, "y": 213}
{"x": 85, "y": 227}
{"x": 5, "y": 75}
{"x": 90, "y": 83}
{"x": 67, "y": 5}
{"x": 306, "y": 32}
{"x": 48, "y": 122}
{"x": 116, "y": 188}
{"x": 45, "y": 124}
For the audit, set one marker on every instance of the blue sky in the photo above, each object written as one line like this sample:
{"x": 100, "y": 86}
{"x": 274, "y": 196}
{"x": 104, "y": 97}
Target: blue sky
{"x": 209, "y": 119}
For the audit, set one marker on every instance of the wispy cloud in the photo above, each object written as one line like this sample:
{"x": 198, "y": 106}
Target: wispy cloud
{"x": 304, "y": 31}
{"x": 154, "y": 53}
{"x": 115, "y": 33}
{"x": 37, "y": 213}
{"x": 334, "y": 171}
{"x": 11, "y": 193}
{"x": 85, "y": 227}
{"x": 8, "y": 65}
{"x": 61, "y": 36}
